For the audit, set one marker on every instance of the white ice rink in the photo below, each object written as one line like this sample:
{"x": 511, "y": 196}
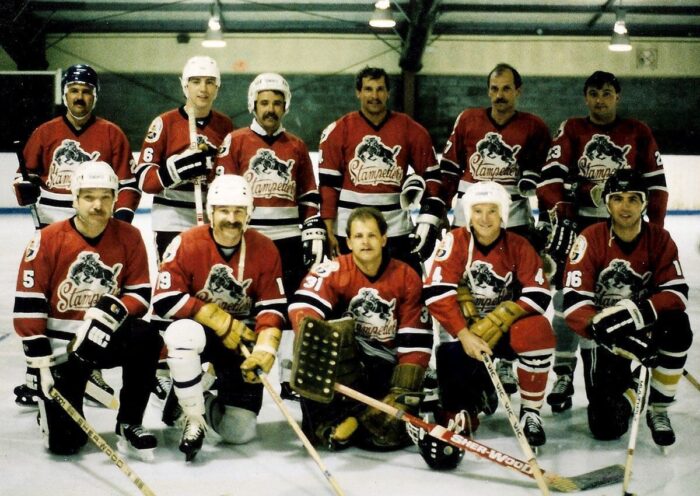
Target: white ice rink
{"x": 277, "y": 464}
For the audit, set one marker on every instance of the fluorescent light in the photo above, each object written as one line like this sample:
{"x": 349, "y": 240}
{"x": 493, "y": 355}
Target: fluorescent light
{"x": 620, "y": 40}
{"x": 382, "y": 18}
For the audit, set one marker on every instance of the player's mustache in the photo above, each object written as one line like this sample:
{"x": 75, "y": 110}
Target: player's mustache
{"x": 80, "y": 102}
{"x": 270, "y": 115}
{"x": 501, "y": 100}
{"x": 235, "y": 224}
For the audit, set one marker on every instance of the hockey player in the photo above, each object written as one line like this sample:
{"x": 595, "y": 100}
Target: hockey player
{"x": 485, "y": 284}
{"x": 168, "y": 166}
{"x": 214, "y": 282}
{"x": 392, "y": 336}
{"x": 501, "y": 144}
{"x": 53, "y": 152}
{"x": 584, "y": 153}
{"x": 277, "y": 165}
{"x": 364, "y": 159}
{"x": 82, "y": 284}
{"x": 626, "y": 294}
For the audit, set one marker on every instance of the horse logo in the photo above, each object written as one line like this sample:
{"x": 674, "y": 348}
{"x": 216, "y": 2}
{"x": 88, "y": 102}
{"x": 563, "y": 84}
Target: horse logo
{"x": 487, "y": 287}
{"x": 223, "y": 289}
{"x": 493, "y": 158}
{"x": 88, "y": 278}
{"x": 269, "y": 176}
{"x": 374, "y": 316}
{"x": 619, "y": 281}
{"x": 65, "y": 157}
{"x": 375, "y": 163}
{"x": 601, "y": 157}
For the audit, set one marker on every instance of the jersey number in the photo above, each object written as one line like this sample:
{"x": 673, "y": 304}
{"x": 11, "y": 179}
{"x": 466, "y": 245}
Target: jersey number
{"x": 28, "y": 278}
{"x": 573, "y": 279}
{"x": 164, "y": 280}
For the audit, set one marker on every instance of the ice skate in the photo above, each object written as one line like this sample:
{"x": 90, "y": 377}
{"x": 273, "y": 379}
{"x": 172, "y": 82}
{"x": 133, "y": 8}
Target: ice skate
{"x": 560, "y": 398}
{"x": 99, "y": 393}
{"x": 192, "y": 436}
{"x": 531, "y": 424}
{"x": 135, "y": 440}
{"x": 507, "y": 376}
{"x": 661, "y": 429}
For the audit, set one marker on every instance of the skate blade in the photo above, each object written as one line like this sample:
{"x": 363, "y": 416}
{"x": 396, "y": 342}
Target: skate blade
{"x": 145, "y": 455}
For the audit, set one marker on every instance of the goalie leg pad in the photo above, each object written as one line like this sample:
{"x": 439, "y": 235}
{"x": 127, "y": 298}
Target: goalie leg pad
{"x": 185, "y": 340}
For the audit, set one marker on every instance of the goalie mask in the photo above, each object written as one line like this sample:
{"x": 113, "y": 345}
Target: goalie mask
{"x": 230, "y": 190}
{"x": 268, "y": 81}
{"x": 626, "y": 181}
{"x": 94, "y": 174}
{"x": 80, "y": 74}
{"x": 200, "y": 66}
{"x": 486, "y": 192}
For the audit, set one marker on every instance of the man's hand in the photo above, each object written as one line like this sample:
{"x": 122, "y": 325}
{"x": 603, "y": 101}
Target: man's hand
{"x": 497, "y": 322}
{"x": 27, "y": 191}
{"x": 472, "y": 344}
{"x": 263, "y": 355}
{"x": 622, "y": 319}
{"x": 230, "y": 330}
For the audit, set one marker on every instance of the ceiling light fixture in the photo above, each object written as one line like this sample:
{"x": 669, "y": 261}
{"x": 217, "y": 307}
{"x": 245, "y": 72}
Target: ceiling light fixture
{"x": 620, "y": 40}
{"x": 382, "y": 17}
{"x": 214, "y": 37}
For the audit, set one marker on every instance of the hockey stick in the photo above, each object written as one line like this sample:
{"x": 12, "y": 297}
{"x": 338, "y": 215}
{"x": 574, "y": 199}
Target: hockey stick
{"x": 295, "y": 426}
{"x": 112, "y": 454}
{"x": 25, "y": 177}
{"x": 515, "y": 424}
{"x": 641, "y": 393}
{"x": 691, "y": 378}
{"x": 192, "y": 126}
{"x": 105, "y": 398}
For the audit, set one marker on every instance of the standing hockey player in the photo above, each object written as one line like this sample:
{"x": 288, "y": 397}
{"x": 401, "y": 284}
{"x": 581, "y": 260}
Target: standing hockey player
{"x": 584, "y": 153}
{"x": 392, "y": 338}
{"x": 625, "y": 291}
{"x": 168, "y": 165}
{"x": 485, "y": 283}
{"x": 277, "y": 165}
{"x": 214, "y": 282}
{"x": 364, "y": 159}
{"x": 82, "y": 284}
{"x": 53, "y": 152}
{"x": 500, "y": 144}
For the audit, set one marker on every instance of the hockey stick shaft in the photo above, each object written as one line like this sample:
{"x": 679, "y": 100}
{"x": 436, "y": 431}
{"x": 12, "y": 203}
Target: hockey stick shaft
{"x": 691, "y": 378}
{"x": 192, "y": 126}
{"x": 111, "y": 453}
{"x": 515, "y": 424}
{"x": 25, "y": 176}
{"x": 295, "y": 426}
{"x": 634, "y": 429}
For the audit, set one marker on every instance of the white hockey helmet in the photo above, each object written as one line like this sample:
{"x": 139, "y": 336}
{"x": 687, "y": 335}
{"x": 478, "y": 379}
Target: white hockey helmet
{"x": 93, "y": 174}
{"x": 268, "y": 81}
{"x": 486, "y": 192}
{"x": 229, "y": 190}
{"x": 200, "y": 66}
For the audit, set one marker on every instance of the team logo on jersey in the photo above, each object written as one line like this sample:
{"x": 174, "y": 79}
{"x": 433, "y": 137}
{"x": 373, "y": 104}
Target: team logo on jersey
{"x": 444, "y": 247}
{"x": 269, "y": 176}
{"x": 374, "y": 316}
{"x": 578, "y": 250}
{"x": 154, "y": 130}
{"x": 619, "y": 281}
{"x": 601, "y": 157}
{"x": 33, "y": 247}
{"x": 225, "y": 146}
{"x": 375, "y": 163}
{"x": 493, "y": 159}
{"x": 486, "y": 286}
{"x": 87, "y": 280}
{"x": 224, "y": 290}
{"x": 66, "y": 157}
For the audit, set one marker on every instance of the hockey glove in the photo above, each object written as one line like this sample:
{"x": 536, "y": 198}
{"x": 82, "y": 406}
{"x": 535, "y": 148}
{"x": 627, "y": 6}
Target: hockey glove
{"x": 497, "y": 322}
{"x": 124, "y": 214}
{"x": 230, "y": 330}
{"x": 100, "y": 322}
{"x": 563, "y": 234}
{"x": 313, "y": 241}
{"x": 427, "y": 229}
{"x": 527, "y": 185}
{"x": 387, "y": 431}
{"x": 466, "y": 304}
{"x": 412, "y": 192}
{"x": 624, "y": 318}
{"x": 186, "y": 165}
{"x": 27, "y": 191}
{"x": 263, "y": 355}
{"x": 636, "y": 348}
{"x": 38, "y": 354}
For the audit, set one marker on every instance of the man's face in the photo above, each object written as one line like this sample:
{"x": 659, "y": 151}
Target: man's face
{"x": 365, "y": 241}
{"x": 502, "y": 92}
{"x": 228, "y": 224}
{"x": 625, "y": 209}
{"x": 94, "y": 207}
{"x": 202, "y": 91}
{"x": 269, "y": 110}
{"x": 80, "y": 99}
{"x": 602, "y": 103}
{"x": 486, "y": 221}
{"x": 373, "y": 96}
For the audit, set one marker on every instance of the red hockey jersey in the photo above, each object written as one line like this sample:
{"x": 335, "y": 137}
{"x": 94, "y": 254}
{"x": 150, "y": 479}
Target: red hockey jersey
{"x": 509, "y": 269}
{"x": 248, "y": 284}
{"x": 281, "y": 176}
{"x": 55, "y": 148}
{"x": 588, "y": 153}
{"x": 62, "y": 274}
{"x": 173, "y": 208}
{"x": 602, "y": 270}
{"x": 391, "y": 321}
{"x": 365, "y": 165}
{"x": 481, "y": 150}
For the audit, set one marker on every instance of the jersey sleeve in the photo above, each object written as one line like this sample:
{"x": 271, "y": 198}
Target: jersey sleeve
{"x": 271, "y": 303}
{"x": 129, "y": 194}
{"x": 424, "y": 160}
{"x": 451, "y": 167}
{"x": 33, "y": 153}
{"x": 535, "y": 156}
{"x": 414, "y": 337}
{"x": 652, "y": 169}
{"x": 316, "y": 296}
{"x": 555, "y": 171}
{"x": 32, "y": 291}
{"x": 668, "y": 277}
{"x": 152, "y": 156}
{"x": 172, "y": 299}
{"x": 579, "y": 286}
{"x": 308, "y": 196}
{"x": 331, "y": 169}
{"x": 136, "y": 286}
{"x": 535, "y": 295}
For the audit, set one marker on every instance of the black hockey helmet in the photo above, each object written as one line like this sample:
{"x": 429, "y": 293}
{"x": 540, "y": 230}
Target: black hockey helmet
{"x": 80, "y": 73}
{"x": 625, "y": 181}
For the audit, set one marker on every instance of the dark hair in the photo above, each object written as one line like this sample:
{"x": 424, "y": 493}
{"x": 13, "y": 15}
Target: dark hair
{"x": 599, "y": 79}
{"x": 372, "y": 73}
{"x": 500, "y": 69}
{"x": 366, "y": 213}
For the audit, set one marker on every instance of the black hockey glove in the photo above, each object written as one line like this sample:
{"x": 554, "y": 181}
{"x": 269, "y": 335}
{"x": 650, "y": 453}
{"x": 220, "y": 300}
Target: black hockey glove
{"x": 427, "y": 229}
{"x": 124, "y": 214}
{"x": 38, "y": 354}
{"x": 563, "y": 233}
{"x": 637, "y": 348}
{"x": 99, "y": 324}
{"x": 624, "y": 318}
{"x": 412, "y": 191}
{"x": 27, "y": 192}
{"x": 527, "y": 185}
{"x": 186, "y": 165}
{"x": 314, "y": 241}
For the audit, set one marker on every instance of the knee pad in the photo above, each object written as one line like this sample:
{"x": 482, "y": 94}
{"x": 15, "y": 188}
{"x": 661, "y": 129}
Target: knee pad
{"x": 609, "y": 418}
{"x": 185, "y": 340}
{"x": 235, "y": 425}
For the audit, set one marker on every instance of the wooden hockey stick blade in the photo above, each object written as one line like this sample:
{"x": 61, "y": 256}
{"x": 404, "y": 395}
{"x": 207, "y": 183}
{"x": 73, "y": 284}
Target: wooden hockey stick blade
{"x": 102, "y": 396}
{"x": 691, "y": 379}
{"x": 601, "y": 477}
{"x": 99, "y": 441}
